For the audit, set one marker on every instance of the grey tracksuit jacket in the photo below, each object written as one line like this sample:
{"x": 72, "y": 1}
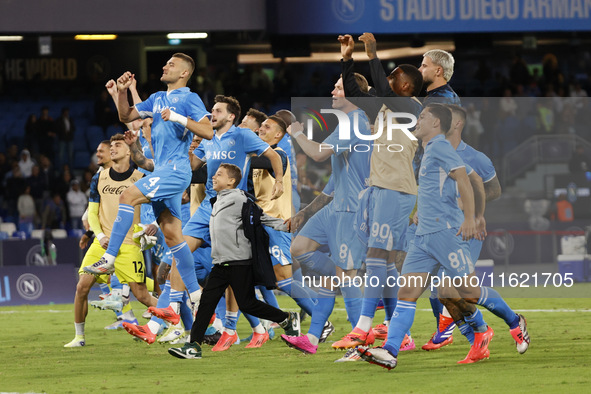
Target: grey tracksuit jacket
{"x": 228, "y": 242}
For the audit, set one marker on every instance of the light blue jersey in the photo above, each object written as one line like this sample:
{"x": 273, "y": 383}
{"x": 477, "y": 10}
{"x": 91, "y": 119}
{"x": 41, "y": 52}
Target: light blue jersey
{"x": 329, "y": 188}
{"x": 350, "y": 164}
{"x": 485, "y": 169}
{"x": 477, "y": 160}
{"x": 235, "y": 146}
{"x": 437, "y": 203}
{"x": 286, "y": 145}
{"x": 171, "y": 140}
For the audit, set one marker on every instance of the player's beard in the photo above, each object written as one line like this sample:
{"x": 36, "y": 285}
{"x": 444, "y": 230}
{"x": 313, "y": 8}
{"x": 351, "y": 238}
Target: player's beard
{"x": 221, "y": 124}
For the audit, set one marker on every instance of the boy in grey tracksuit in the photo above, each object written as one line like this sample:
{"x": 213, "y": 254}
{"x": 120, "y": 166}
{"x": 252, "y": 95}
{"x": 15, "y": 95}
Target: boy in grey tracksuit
{"x": 231, "y": 254}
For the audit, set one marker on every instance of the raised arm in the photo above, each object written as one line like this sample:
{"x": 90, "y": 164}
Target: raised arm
{"x": 133, "y": 90}
{"x": 137, "y": 154}
{"x": 317, "y": 151}
{"x": 349, "y": 83}
{"x": 127, "y": 114}
{"x": 378, "y": 75}
{"x": 468, "y": 227}
{"x": 202, "y": 128}
{"x": 111, "y": 87}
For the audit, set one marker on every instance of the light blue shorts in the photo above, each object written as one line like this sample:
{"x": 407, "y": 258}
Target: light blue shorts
{"x": 203, "y": 264}
{"x": 475, "y": 248}
{"x": 430, "y": 252}
{"x": 198, "y": 225}
{"x": 279, "y": 243}
{"x": 164, "y": 187}
{"x": 336, "y": 229}
{"x": 388, "y": 219}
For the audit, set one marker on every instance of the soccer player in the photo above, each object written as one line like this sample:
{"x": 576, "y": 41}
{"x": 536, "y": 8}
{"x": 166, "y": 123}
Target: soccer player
{"x": 105, "y": 189}
{"x": 492, "y": 190}
{"x": 233, "y": 258}
{"x": 437, "y": 68}
{"x": 175, "y": 112}
{"x": 253, "y": 120}
{"x": 231, "y": 145}
{"x": 392, "y": 193}
{"x": 286, "y": 144}
{"x": 112, "y": 292}
{"x": 441, "y": 238}
{"x": 333, "y": 224}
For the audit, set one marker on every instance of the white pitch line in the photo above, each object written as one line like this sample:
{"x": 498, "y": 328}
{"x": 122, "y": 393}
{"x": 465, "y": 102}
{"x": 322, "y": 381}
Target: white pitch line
{"x": 343, "y": 310}
{"x": 516, "y": 310}
{"x": 36, "y": 311}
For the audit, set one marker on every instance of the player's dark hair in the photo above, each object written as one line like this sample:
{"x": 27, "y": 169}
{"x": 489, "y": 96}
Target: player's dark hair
{"x": 233, "y": 105}
{"x": 287, "y": 116}
{"x": 233, "y": 172}
{"x": 416, "y": 78}
{"x": 456, "y": 109}
{"x": 105, "y": 142}
{"x": 442, "y": 113}
{"x": 117, "y": 137}
{"x": 258, "y": 116}
{"x": 189, "y": 61}
{"x": 279, "y": 122}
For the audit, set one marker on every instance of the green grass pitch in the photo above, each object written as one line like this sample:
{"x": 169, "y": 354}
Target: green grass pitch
{"x": 33, "y": 358}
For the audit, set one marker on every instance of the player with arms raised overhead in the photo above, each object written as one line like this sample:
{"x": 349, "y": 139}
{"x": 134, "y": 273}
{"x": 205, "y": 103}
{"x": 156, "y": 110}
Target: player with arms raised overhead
{"x": 175, "y": 112}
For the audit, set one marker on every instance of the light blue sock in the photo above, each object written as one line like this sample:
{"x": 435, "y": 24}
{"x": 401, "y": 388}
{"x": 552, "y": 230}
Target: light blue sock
{"x": 220, "y": 309}
{"x": 466, "y": 330}
{"x": 317, "y": 262}
{"x": 476, "y": 320}
{"x": 322, "y": 311}
{"x": 105, "y": 289}
{"x": 184, "y": 263}
{"x": 186, "y": 312}
{"x": 121, "y": 226}
{"x": 231, "y": 320}
{"x": 297, "y": 275}
{"x": 299, "y": 295}
{"x": 252, "y": 320}
{"x": 163, "y": 301}
{"x": 390, "y": 295}
{"x": 400, "y": 324}
{"x": 176, "y": 296}
{"x": 115, "y": 283}
{"x": 436, "y": 305}
{"x": 492, "y": 300}
{"x": 353, "y": 298}
{"x": 268, "y": 296}
{"x": 376, "y": 280}
{"x": 299, "y": 280}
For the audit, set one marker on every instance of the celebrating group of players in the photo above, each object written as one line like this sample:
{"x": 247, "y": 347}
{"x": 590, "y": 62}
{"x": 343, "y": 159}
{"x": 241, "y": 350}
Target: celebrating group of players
{"x": 434, "y": 179}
